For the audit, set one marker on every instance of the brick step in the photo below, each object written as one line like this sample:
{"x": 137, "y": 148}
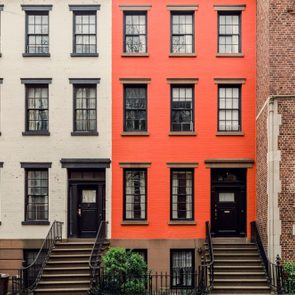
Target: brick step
{"x": 61, "y": 291}
{"x": 241, "y": 289}
{"x": 65, "y": 277}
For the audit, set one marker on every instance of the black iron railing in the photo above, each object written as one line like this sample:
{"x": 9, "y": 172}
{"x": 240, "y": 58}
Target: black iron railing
{"x": 274, "y": 271}
{"x": 206, "y": 269}
{"x": 95, "y": 257}
{"x": 29, "y": 276}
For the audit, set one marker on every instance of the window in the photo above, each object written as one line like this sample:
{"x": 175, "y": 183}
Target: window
{"x": 85, "y": 32}
{"x": 37, "y": 108}
{"x": 85, "y": 108}
{"x": 135, "y": 194}
{"x": 182, "y": 194}
{"x": 182, "y": 39}
{"x": 37, "y": 36}
{"x": 182, "y": 268}
{"x": 182, "y": 108}
{"x": 36, "y": 194}
{"x": 229, "y": 32}
{"x": 229, "y": 109}
{"x": 135, "y": 117}
{"x": 135, "y": 32}
{"x": 141, "y": 252}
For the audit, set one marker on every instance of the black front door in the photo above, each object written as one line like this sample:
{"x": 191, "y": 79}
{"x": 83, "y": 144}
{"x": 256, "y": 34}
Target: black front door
{"x": 86, "y": 209}
{"x": 228, "y": 205}
{"x": 88, "y": 213}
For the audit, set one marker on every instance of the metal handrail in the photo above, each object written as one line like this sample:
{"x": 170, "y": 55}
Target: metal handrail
{"x": 30, "y": 275}
{"x": 94, "y": 261}
{"x": 274, "y": 271}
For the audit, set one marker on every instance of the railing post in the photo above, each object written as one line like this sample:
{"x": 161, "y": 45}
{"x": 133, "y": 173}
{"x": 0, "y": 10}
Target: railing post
{"x": 279, "y": 273}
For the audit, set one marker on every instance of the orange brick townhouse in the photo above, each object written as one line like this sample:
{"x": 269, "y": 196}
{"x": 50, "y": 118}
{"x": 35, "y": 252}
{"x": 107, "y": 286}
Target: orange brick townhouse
{"x": 183, "y": 115}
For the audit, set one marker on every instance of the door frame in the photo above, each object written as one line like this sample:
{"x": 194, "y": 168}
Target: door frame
{"x": 72, "y": 218}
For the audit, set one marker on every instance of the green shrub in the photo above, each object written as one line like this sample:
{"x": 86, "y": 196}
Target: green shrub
{"x": 124, "y": 272}
{"x": 289, "y": 286}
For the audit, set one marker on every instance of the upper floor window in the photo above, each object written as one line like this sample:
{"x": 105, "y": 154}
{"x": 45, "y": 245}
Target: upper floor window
{"x": 182, "y": 194}
{"x": 37, "y": 30}
{"x": 182, "y": 32}
{"x": 229, "y": 108}
{"x": 85, "y": 111}
{"x": 37, "y": 38}
{"x": 229, "y": 32}
{"x": 36, "y": 195}
{"x": 135, "y": 32}
{"x": 85, "y": 32}
{"x": 135, "y": 108}
{"x": 135, "y": 194}
{"x": 182, "y": 108}
{"x": 37, "y": 108}
{"x": 182, "y": 268}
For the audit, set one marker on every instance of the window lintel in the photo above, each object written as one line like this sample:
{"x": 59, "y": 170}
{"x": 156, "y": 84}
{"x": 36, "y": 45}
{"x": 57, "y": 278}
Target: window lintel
{"x": 136, "y": 165}
{"x": 35, "y": 165}
{"x": 84, "y": 81}
{"x": 135, "y": 80}
{"x": 240, "y": 7}
{"x": 182, "y": 80}
{"x": 36, "y": 7}
{"x": 184, "y": 165}
{"x": 135, "y": 7}
{"x": 1, "y": 7}
{"x": 230, "y": 81}
{"x": 36, "y": 80}
{"x": 84, "y": 7}
{"x": 189, "y": 7}
{"x": 229, "y": 163}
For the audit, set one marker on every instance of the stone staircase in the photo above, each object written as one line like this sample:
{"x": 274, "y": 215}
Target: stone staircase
{"x": 67, "y": 269}
{"x": 238, "y": 267}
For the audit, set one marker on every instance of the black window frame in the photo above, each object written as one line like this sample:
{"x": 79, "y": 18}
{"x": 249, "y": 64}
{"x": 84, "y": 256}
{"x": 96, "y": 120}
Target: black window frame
{"x": 27, "y": 14}
{"x": 74, "y": 51}
{"x": 193, "y": 105}
{"x": 229, "y": 13}
{"x": 125, "y": 170}
{"x": 86, "y": 132}
{"x": 239, "y": 86}
{"x": 28, "y": 220}
{"x": 137, "y": 12}
{"x": 192, "y": 251}
{"x": 192, "y": 13}
{"x": 145, "y": 86}
{"x": 27, "y": 129}
{"x": 141, "y": 251}
{"x": 172, "y": 170}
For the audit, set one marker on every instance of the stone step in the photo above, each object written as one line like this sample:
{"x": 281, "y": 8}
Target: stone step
{"x": 239, "y": 275}
{"x": 61, "y": 291}
{"x": 73, "y": 257}
{"x": 65, "y": 277}
{"x": 64, "y": 284}
{"x": 242, "y": 289}
{"x": 66, "y": 270}
{"x": 238, "y": 262}
{"x": 238, "y": 268}
{"x": 240, "y": 282}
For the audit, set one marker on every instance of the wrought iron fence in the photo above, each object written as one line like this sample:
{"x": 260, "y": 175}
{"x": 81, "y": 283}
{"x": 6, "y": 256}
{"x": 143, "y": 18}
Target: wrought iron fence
{"x": 29, "y": 276}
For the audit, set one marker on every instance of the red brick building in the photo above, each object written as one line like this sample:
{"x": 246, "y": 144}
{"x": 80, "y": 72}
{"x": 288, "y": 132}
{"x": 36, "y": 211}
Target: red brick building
{"x": 276, "y": 126}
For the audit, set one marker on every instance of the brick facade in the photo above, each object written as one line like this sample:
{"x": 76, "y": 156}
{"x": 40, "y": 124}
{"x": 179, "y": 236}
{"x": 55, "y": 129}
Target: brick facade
{"x": 276, "y": 77}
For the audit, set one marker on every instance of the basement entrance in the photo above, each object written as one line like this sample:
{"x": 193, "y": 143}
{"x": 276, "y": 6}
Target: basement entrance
{"x": 228, "y": 202}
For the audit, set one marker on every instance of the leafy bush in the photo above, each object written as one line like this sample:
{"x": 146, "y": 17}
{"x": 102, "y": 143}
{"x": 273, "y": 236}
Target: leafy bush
{"x": 124, "y": 272}
{"x": 289, "y": 286}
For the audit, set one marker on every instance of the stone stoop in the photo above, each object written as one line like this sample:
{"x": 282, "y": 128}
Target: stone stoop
{"x": 67, "y": 270}
{"x": 238, "y": 268}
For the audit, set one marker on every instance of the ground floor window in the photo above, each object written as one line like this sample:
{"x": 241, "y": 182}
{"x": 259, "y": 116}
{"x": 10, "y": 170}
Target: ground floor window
{"x": 182, "y": 268}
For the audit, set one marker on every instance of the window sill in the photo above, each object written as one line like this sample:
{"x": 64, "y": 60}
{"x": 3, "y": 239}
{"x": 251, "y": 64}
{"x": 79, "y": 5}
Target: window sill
{"x": 134, "y": 222}
{"x": 36, "y": 133}
{"x": 182, "y": 55}
{"x": 40, "y": 222}
{"x": 182, "y": 133}
{"x": 36, "y": 54}
{"x": 84, "y": 55}
{"x": 182, "y": 222}
{"x": 126, "y": 133}
{"x": 229, "y": 54}
{"x": 93, "y": 133}
{"x": 229, "y": 133}
{"x": 124, "y": 54}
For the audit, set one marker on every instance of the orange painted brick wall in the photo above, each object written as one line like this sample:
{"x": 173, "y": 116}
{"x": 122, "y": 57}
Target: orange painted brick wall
{"x": 160, "y": 148}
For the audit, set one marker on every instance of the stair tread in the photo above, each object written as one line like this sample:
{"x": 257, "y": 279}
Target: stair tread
{"x": 63, "y": 282}
{"x": 61, "y": 289}
{"x": 238, "y": 266}
{"x": 237, "y": 260}
{"x": 241, "y": 287}
{"x": 69, "y": 255}
{"x": 72, "y": 249}
{"x": 65, "y": 275}
{"x": 240, "y": 280}
{"x": 67, "y": 261}
{"x": 239, "y": 273}
{"x": 66, "y": 268}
